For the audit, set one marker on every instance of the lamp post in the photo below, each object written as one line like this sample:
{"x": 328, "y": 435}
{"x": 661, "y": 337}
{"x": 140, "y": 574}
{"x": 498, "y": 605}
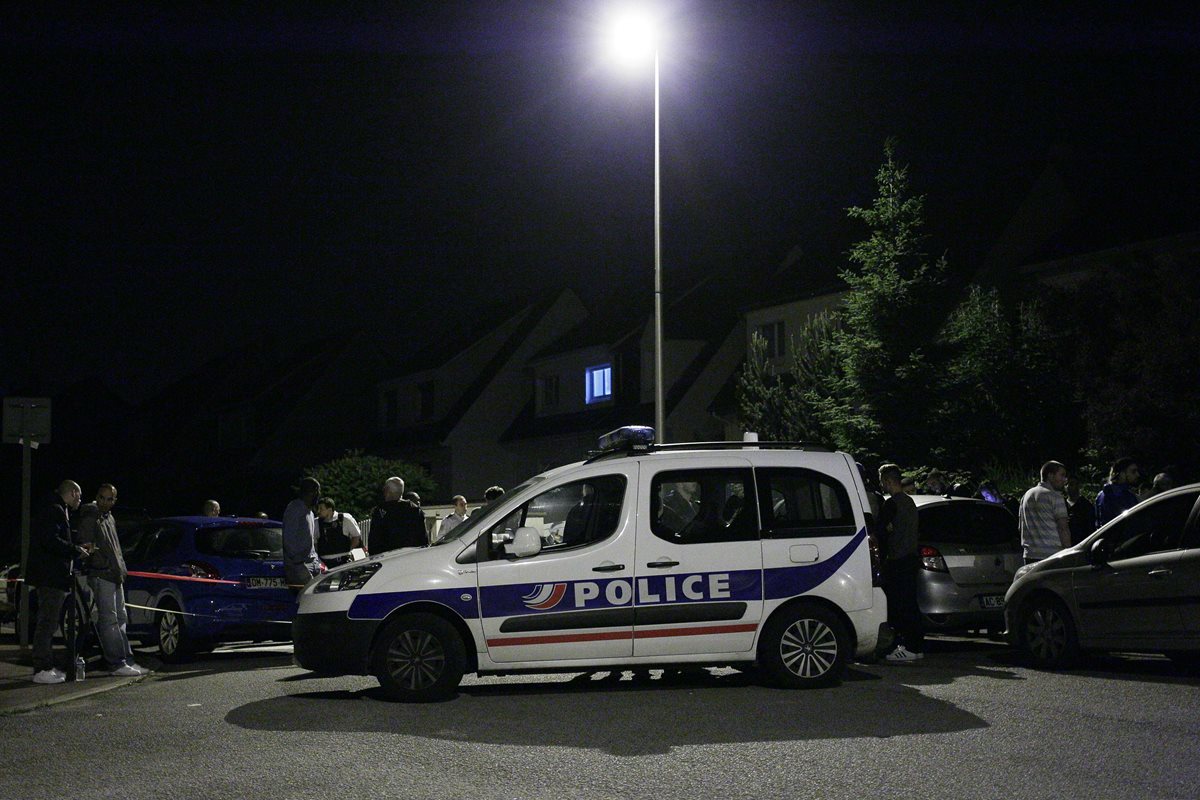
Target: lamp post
{"x": 632, "y": 34}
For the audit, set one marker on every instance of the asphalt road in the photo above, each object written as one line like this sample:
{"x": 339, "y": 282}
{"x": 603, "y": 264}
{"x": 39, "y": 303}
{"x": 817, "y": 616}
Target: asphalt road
{"x": 968, "y": 722}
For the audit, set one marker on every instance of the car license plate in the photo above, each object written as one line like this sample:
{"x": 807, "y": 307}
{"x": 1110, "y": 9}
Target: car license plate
{"x": 266, "y": 583}
{"x": 993, "y": 601}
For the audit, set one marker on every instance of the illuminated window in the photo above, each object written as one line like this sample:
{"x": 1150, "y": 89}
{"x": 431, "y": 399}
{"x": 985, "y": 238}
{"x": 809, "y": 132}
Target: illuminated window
{"x": 598, "y": 383}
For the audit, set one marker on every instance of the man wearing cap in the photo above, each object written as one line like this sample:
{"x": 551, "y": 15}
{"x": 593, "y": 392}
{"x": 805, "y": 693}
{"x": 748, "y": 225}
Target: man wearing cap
{"x": 300, "y": 561}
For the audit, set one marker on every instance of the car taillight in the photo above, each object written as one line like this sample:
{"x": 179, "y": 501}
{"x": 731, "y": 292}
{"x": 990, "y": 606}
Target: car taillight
{"x": 199, "y": 569}
{"x": 876, "y": 562}
{"x": 932, "y": 560}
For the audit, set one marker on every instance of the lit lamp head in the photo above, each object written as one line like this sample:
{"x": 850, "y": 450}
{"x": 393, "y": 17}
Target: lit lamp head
{"x": 632, "y": 37}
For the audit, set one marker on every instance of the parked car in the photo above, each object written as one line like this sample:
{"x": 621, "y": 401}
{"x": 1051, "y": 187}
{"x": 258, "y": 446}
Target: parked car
{"x": 200, "y": 581}
{"x": 1131, "y": 585}
{"x": 970, "y": 550}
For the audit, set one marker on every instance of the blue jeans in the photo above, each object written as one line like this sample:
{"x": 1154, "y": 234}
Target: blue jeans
{"x": 111, "y": 620}
{"x": 50, "y": 603}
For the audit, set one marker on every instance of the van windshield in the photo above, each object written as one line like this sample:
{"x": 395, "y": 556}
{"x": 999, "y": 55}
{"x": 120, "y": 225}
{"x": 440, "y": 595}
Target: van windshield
{"x": 485, "y": 513}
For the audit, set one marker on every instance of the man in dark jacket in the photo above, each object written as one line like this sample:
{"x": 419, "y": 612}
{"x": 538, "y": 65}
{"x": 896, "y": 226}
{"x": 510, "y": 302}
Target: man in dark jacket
{"x": 396, "y": 522}
{"x": 51, "y": 552}
{"x": 1118, "y": 495}
{"x": 106, "y": 573}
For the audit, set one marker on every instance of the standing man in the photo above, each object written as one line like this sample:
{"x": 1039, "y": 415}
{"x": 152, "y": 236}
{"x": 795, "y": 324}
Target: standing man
{"x": 456, "y": 517}
{"x": 902, "y": 564}
{"x": 337, "y": 534}
{"x": 106, "y": 573}
{"x": 1044, "y": 518}
{"x": 396, "y": 522}
{"x": 211, "y": 508}
{"x": 51, "y": 552}
{"x": 300, "y": 561}
{"x": 1118, "y": 495}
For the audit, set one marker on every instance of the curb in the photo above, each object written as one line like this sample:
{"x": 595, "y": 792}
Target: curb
{"x": 98, "y": 687}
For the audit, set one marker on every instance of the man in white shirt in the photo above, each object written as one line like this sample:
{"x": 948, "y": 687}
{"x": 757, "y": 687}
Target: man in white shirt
{"x": 1044, "y": 515}
{"x": 456, "y": 517}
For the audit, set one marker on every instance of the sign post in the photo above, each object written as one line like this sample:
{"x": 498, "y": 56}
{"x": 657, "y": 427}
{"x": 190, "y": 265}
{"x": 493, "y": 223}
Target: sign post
{"x": 27, "y": 423}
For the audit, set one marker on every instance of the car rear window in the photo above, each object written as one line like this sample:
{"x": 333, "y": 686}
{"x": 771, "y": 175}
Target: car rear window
{"x": 967, "y": 523}
{"x": 256, "y": 542}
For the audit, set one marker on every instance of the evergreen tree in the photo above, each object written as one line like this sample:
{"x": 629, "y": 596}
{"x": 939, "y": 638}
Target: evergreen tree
{"x": 886, "y": 402}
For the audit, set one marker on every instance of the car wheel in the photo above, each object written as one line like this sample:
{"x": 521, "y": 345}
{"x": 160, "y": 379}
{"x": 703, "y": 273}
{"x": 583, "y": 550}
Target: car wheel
{"x": 419, "y": 658}
{"x": 1046, "y": 633}
{"x": 174, "y": 642}
{"x": 804, "y": 646}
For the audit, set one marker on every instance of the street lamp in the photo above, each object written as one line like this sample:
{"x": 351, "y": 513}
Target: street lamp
{"x": 633, "y": 35}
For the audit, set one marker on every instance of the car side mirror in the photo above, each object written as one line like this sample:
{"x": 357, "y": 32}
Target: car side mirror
{"x": 1100, "y": 553}
{"x": 526, "y": 542}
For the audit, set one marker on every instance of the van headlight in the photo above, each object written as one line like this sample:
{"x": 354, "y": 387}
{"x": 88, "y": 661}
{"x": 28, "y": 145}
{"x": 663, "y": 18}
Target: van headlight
{"x": 350, "y": 578}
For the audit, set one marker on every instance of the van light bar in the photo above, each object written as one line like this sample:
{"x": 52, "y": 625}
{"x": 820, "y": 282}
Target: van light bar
{"x": 627, "y": 437}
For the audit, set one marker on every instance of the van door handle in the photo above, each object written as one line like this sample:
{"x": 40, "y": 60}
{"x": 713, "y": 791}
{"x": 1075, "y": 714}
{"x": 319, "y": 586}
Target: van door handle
{"x": 1159, "y": 573}
{"x": 608, "y": 568}
{"x": 664, "y": 564}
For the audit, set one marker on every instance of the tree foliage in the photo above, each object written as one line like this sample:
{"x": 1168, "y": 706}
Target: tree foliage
{"x": 1134, "y": 329}
{"x": 787, "y": 407}
{"x": 353, "y": 481}
{"x": 885, "y": 343}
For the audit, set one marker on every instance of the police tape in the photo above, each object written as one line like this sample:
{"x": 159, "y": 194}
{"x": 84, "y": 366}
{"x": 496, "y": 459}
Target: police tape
{"x": 207, "y": 616}
{"x": 188, "y": 578}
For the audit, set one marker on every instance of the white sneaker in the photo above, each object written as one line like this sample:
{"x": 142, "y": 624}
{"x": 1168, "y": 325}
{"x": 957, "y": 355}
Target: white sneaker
{"x": 49, "y": 676}
{"x": 127, "y": 671}
{"x": 141, "y": 670}
{"x": 902, "y": 655}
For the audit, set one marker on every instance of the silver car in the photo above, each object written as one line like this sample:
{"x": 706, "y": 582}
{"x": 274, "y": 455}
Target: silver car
{"x": 1131, "y": 585}
{"x": 970, "y": 550}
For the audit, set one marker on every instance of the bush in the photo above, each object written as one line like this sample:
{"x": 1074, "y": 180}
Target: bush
{"x": 353, "y": 481}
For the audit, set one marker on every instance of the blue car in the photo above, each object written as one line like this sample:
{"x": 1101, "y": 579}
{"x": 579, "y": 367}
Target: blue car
{"x": 196, "y": 582}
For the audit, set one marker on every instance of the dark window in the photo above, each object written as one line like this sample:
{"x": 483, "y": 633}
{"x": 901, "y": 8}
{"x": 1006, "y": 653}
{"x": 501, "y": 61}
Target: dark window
{"x": 1150, "y": 529}
{"x": 245, "y": 542}
{"x": 772, "y": 334}
{"x": 702, "y": 506}
{"x": 391, "y": 408}
{"x": 549, "y": 391}
{"x": 570, "y": 515}
{"x": 801, "y": 502}
{"x": 983, "y": 524}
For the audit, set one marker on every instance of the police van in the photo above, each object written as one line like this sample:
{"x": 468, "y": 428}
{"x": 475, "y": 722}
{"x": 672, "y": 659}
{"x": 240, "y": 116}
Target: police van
{"x": 644, "y": 555}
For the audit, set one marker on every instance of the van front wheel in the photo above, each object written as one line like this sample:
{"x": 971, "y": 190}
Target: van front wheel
{"x": 804, "y": 646}
{"x": 419, "y": 658}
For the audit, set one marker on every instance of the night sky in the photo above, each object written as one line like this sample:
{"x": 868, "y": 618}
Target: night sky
{"x": 180, "y": 181}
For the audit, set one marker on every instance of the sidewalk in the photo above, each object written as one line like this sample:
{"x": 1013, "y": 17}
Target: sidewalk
{"x": 18, "y": 693}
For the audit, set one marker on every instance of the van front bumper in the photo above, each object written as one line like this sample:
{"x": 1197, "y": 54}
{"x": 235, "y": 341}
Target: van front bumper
{"x": 333, "y": 643}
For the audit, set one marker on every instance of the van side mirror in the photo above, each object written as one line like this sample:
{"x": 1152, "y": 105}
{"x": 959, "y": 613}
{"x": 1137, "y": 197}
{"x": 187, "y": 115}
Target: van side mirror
{"x": 1100, "y": 553}
{"x": 526, "y": 542}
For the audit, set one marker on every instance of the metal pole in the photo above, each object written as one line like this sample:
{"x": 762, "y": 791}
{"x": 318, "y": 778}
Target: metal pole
{"x": 23, "y": 601}
{"x": 660, "y": 425}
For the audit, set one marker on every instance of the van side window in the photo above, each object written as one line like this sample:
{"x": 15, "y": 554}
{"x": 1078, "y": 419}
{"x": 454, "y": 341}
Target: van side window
{"x": 571, "y": 515}
{"x": 797, "y": 502}
{"x": 702, "y": 506}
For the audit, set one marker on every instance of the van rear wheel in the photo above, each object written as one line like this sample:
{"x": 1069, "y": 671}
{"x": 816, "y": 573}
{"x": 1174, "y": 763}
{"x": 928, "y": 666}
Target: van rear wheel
{"x": 419, "y": 658}
{"x": 804, "y": 646}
